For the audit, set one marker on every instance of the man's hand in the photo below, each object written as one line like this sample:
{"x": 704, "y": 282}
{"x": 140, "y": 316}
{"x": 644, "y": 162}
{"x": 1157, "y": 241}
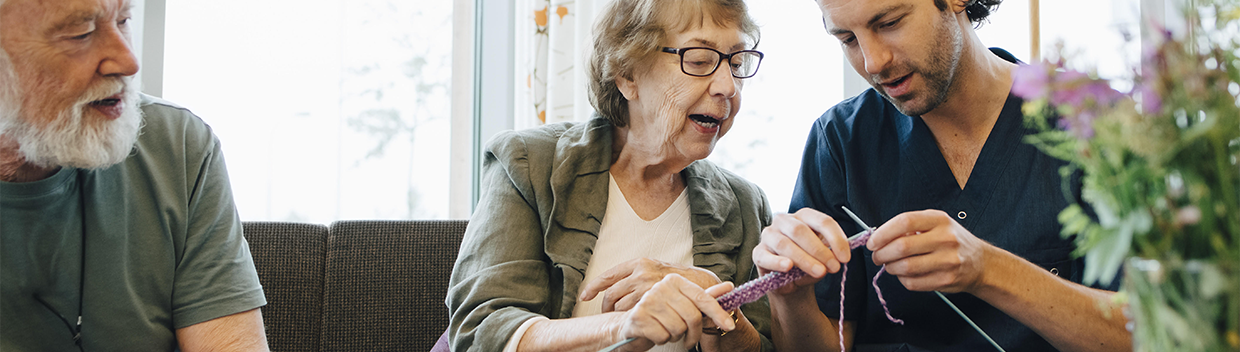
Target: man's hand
{"x": 809, "y": 240}
{"x": 625, "y": 284}
{"x": 929, "y": 251}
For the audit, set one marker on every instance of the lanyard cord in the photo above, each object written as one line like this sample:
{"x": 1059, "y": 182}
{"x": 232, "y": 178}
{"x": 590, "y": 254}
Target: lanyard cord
{"x": 75, "y": 329}
{"x": 77, "y": 332}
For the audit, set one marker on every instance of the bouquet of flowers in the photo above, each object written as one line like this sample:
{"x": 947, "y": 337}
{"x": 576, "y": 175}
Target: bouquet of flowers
{"x": 1160, "y": 175}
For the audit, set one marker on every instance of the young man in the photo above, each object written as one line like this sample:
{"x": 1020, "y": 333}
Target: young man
{"x": 933, "y": 153}
{"x": 117, "y": 225}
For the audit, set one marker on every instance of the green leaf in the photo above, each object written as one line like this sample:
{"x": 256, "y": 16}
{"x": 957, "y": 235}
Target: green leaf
{"x": 1102, "y": 262}
{"x": 1074, "y": 220}
{"x": 1069, "y": 213}
{"x": 1075, "y": 226}
{"x": 1106, "y": 213}
{"x": 1213, "y": 282}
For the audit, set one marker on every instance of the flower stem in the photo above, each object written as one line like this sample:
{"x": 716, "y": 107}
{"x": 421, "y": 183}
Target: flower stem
{"x": 1226, "y": 187}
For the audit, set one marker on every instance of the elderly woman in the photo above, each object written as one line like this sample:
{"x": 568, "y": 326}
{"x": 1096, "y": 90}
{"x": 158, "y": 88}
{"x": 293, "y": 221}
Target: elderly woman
{"x": 589, "y": 234}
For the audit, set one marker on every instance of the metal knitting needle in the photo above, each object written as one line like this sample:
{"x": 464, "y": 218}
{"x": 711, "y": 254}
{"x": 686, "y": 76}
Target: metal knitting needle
{"x": 856, "y": 219}
{"x": 940, "y": 294}
{"x": 614, "y": 346}
{"x": 617, "y": 345}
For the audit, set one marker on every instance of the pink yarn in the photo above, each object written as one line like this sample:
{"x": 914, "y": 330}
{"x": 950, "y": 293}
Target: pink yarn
{"x": 843, "y": 274}
{"x": 882, "y": 301}
{"x": 857, "y": 242}
{"x": 753, "y": 290}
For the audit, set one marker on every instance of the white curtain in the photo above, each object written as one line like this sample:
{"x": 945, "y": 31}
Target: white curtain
{"x": 553, "y": 42}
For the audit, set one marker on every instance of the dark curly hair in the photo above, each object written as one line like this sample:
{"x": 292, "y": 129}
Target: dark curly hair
{"x": 977, "y": 10}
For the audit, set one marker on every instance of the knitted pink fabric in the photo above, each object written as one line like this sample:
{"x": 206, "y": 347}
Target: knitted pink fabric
{"x": 753, "y": 290}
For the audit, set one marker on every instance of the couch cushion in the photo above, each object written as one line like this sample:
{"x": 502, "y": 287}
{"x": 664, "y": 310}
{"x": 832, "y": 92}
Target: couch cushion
{"x": 289, "y": 258}
{"x": 386, "y": 282}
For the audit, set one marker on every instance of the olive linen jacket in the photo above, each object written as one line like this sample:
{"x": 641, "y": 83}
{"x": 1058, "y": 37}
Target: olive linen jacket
{"x": 544, "y": 192}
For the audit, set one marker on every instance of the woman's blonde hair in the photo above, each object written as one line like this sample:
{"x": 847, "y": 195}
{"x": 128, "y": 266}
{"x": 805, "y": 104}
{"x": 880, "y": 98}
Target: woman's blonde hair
{"x": 629, "y": 32}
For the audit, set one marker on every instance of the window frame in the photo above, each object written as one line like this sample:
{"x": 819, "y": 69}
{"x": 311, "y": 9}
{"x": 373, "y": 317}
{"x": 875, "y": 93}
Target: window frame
{"x": 483, "y": 78}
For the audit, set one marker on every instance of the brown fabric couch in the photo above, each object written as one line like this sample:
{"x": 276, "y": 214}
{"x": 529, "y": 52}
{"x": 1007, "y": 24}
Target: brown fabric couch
{"x": 355, "y": 285}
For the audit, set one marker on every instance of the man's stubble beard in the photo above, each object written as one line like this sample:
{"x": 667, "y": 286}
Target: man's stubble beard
{"x": 939, "y": 72}
{"x": 78, "y": 136}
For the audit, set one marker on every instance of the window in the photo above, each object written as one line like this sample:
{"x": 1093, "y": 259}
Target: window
{"x": 342, "y": 109}
{"x": 326, "y": 109}
{"x": 1093, "y": 33}
{"x": 801, "y": 76}
{"x": 804, "y": 73}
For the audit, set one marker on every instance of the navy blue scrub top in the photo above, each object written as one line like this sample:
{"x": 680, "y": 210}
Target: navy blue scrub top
{"x": 866, "y": 155}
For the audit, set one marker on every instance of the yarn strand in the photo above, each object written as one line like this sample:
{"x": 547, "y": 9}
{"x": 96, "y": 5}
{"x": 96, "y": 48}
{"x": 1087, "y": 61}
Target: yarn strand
{"x": 857, "y": 241}
{"x": 840, "y": 323}
{"x": 755, "y": 289}
{"x": 882, "y": 301}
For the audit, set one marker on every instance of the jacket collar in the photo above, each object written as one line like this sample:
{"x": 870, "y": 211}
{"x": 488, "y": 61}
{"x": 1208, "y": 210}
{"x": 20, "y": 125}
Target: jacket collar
{"x": 579, "y": 183}
{"x": 579, "y": 189}
{"x": 711, "y": 202}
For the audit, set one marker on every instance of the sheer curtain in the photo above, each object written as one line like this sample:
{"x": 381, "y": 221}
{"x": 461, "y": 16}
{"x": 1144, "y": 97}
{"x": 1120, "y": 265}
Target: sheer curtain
{"x": 553, "y": 39}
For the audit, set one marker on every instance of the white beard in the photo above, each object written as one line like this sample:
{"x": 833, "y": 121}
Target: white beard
{"x": 72, "y": 139}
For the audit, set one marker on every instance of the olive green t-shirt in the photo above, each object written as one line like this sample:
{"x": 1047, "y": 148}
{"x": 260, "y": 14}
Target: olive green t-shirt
{"x": 163, "y": 246}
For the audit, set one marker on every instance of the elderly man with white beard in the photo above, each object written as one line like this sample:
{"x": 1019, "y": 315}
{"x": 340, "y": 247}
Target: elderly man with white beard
{"x": 117, "y": 225}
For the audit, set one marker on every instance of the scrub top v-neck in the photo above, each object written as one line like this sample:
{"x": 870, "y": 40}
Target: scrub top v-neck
{"x": 866, "y": 155}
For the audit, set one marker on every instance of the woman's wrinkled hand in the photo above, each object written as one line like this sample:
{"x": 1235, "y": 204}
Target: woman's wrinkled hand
{"x": 625, "y": 284}
{"x": 672, "y": 310}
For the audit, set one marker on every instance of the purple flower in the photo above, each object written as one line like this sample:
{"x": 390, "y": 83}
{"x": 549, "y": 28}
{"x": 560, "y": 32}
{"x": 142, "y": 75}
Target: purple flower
{"x": 1189, "y": 215}
{"x": 1076, "y": 95}
{"x": 1154, "y": 62}
{"x": 1101, "y": 93}
{"x": 1080, "y": 124}
{"x": 1067, "y": 88}
{"x": 1030, "y": 81}
{"x": 1151, "y": 103}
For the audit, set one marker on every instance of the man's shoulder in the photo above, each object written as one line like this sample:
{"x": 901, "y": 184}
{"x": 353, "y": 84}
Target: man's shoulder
{"x": 151, "y": 100}
{"x": 155, "y": 106}
{"x": 166, "y": 120}
{"x": 860, "y": 115}
{"x": 172, "y": 134}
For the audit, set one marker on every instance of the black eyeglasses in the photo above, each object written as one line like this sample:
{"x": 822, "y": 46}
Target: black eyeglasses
{"x": 702, "y": 62}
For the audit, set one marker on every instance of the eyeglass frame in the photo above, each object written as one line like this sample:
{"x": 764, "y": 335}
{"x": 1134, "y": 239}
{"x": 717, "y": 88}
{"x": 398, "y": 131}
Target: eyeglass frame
{"x": 722, "y": 57}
